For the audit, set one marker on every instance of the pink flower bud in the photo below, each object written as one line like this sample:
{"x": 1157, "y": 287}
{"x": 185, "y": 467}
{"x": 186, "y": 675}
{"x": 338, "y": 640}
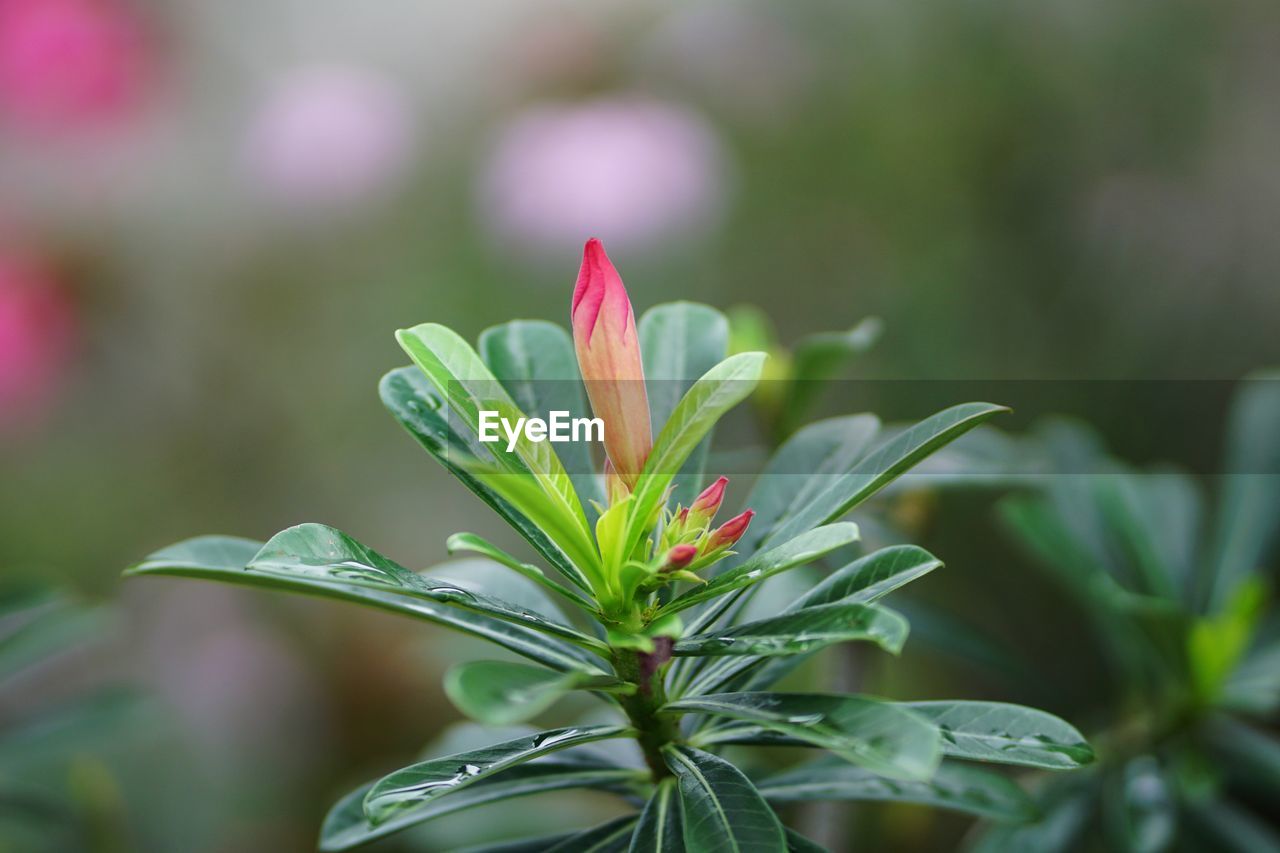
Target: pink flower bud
{"x": 604, "y": 334}
{"x": 729, "y": 532}
{"x": 679, "y": 557}
{"x": 706, "y": 505}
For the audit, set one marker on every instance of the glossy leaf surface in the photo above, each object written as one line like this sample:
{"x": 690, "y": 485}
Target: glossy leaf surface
{"x": 954, "y": 786}
{"x": 420, "y": 409}
{"x": 871, "y": 577}
{"x": 807, "y": 631}
{"x": 424, "y": 782}
{"x": 805, "y": 465}
{"x": 346, "y": 825}
{"x": 1005, "y": 734}
{"x": 659, "y": 829}
{"x": 499, "y": 693}
{"x": 880, "y": 467}
{"x": 720, "y": 809}
{"x": 881, "y": 736}
{"x": 200, "y": 558}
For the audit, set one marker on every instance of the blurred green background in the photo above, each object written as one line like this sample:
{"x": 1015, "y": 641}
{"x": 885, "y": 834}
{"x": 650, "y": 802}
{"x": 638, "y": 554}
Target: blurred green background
{"x": 213, "y": 216}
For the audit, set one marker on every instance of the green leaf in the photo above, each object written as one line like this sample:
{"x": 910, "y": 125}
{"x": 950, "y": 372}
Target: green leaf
{"x": 219, "y": 558}
{"x": 1005, "y": 734}
{"x": 955, "y": 786}
{"x": 871, "y": 577}
{"x": 420, "y": 410}
{"x": 346, "y": 826}
{"x": 803, "y": 467}
{"x": 720, "y": 389}
{"x": 535, "y": 362}
{"x": 881, "y": 467}
{"x": 211, "y": 553}
{"x": 1249, "y": 511}
{"x": 499, "y": 693}
{"x": 317, "y": 550}
{"x": 807, "y": 631}
{"x": 883, "y": 737}
{"x": 659, "y": 830}
{"x": 721, "y": 810}
{"x": 862, "y": 581}
{"x": 524, "y": 492}
{"x": 803, "y": 549}
{"x": 610, "y": 837}
{"x": 1255, "y": 685}
{"x": 476, "y": 545}
{"x": 679, "y": 342}
{"x": 463, "y": 380}
{"x": 424, "y": 782}
{"x": 820, "y": 357}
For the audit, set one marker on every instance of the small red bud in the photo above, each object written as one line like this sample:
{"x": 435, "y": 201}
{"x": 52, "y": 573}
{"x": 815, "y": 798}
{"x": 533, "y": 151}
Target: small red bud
{"x": 706, "y": 505}
{"x": 679, "y": 557}
{"x": 729, "y": 532}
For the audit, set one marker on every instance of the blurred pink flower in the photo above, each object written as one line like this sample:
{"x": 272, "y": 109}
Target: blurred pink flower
{"x": 68, "y": 64}
{"x": 635, "y": 172}
{"x": 37, "y": 325}
{"x": 329, "y": 136}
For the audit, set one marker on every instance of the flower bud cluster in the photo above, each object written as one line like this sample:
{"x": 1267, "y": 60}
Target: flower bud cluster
{"x": 689, "y": 542}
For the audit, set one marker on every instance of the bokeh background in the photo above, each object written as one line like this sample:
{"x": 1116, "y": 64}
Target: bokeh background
{"x": 213, "y": 215}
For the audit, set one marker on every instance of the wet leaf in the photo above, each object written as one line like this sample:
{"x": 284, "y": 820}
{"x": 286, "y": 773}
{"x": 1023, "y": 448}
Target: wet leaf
{"x": 720, "y": 809}
{"x": 801, "y": 632}
{"x": 954, "y": 786}
{"x": 660, "y": 830}
{"x": 881, "y": 736}
{"x": 427, "y": 781}
{"x": 883, "y": 465}
{"x": 346, "y": 826}
{"x": 420, "y": 409}
{"x": 317, "y": 550}
{"x": 218, "y": 558}
{"x": 871, "y": 577}
{"x": 499, "y": 693}
{"x": 1001, "y": 733}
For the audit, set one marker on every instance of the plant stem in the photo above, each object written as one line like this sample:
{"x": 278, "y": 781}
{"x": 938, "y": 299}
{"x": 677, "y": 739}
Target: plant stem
{"x": 654, "y": 729}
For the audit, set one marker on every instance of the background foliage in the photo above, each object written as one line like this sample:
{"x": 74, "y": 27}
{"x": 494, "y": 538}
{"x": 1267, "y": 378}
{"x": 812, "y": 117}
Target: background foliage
{"x": 1071, "y": 190}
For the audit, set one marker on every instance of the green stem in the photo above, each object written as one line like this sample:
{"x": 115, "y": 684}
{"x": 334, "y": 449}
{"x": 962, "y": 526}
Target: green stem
{"x": 654, "y": 729}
